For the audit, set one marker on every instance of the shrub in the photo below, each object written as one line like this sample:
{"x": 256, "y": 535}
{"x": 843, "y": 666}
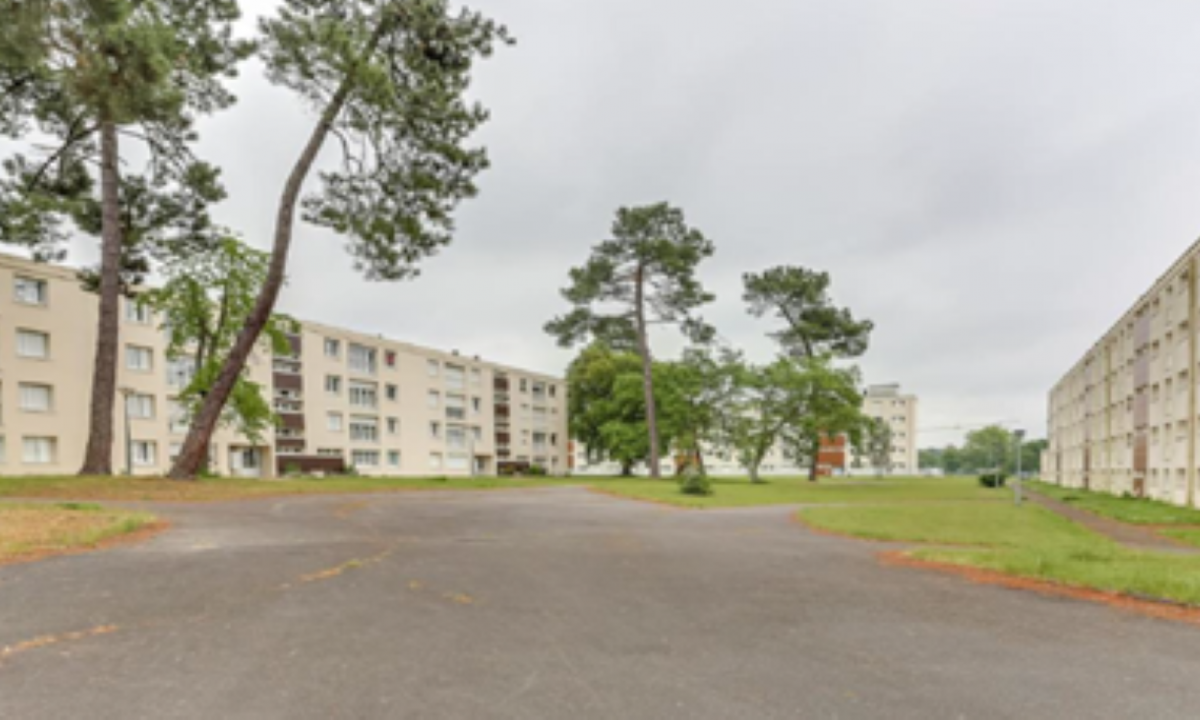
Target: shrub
{"x": 536, "y": 471}
{"x": 993, "y": 479}
{"x": 694, "y": 482}
{"x": 292, "y": 469}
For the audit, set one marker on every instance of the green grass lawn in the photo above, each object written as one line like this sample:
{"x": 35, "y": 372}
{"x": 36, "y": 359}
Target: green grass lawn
{"x": 1189, "y": 535}
{"x": 215, "y": 489}
{"x": 1129, "y": 510}
{"x": 30, "y": 531}
{"x": 740, "y": 492}
{"x": 1028, "y": 541}
{"x": 990, "y": 524}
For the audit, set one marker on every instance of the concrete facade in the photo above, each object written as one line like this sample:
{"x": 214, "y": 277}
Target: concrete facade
{"x": 343, "y": 398}
{"x": 1123, "y": 419}
{"x": 899, "y": 411}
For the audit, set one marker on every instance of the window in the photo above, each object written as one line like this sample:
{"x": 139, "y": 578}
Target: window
{"x": 478, "y": 433}
{"x": 458, "y": 462}
{"x": 553, "y": 390}
{"x": 432, "y": 368}
{"x": 435, "y": 461}
{"x": 476, "y": 376}
{"x": 333, "y": 384}
{"x": 364, "y": 429}
{"x": 2, "y": 450}
{"x": 173, "y": 450}
{"x": 456, "y": 437}
{"x": 181, "y": 371}
{"x": 330, "y": 452}
{"x": 435, "y": 430}
{"x": 476, "y": 405}
{"x": 393, "y": 393}
{"x": 333, "y": 348}
{"x": 143, "y": 452}
{"x": 456, "y": 407}
{"x": 394, "y": 458}
{"x": 524, "y": 385}
{"x": 137, "y": 312}
{"x": 30, "y": 291}
{"x": 393, "y": 425}
{"x": 389, "y": 358}
{"x": 433, "y": 400}
{"x": 178, "y": 417}
{"x": 36, "y": 398}
{"x": 33, "y": 344}
{"x": 456, "y": 377}
{"x": 362, "y": 359}
{"x": 364, "y": 394}
{"x": 141, "y": 407}
{"x": 140, "y": 359}
{"x": 333, "y": 421}
{"x": 364, "y": 458}
{"x": 38, "y": 450}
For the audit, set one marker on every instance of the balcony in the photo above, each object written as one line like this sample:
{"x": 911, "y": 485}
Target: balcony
{"x": 287, "y": 380}
{"x": 456, "y": 413}
{"x": 289, "y": 407}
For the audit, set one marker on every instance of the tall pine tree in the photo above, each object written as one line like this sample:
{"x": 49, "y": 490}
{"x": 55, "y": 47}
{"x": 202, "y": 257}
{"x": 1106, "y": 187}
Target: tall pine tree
{"x": 78, "y": 77}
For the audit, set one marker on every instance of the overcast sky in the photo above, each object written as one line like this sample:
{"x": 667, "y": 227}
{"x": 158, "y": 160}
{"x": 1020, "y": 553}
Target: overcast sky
{"x": 992, "y": 182}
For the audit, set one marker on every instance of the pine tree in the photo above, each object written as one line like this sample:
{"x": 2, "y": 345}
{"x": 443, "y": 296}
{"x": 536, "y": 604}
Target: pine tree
{"x": 389, "y": 77}
{"x": 81, "y": 76}
{"x": 644, "y": 275}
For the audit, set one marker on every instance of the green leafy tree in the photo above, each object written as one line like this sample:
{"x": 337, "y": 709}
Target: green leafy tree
{"x": 771, "y": 398}
{"x": 931, "y": 458}
{"x": 988, "y": 448}
{"x": 697, "y": 395}
{"x": 389, "y": 78}
{"x": 75, "y": 78}
{"x": 1031, "y": 455}
{"x": 593, "y": 405}
{"x": 644, "y": 275}
{"x": 831, "y": 408}
{"x": 812, "y": 325}
{"x": 204, "y": 303}
{"x": 878, "y": 445}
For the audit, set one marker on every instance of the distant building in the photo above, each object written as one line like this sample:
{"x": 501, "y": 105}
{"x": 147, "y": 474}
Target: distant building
{"x": 1123, "y": 419}
{"x": 899, "y": 411}
{"x": 836, "y": 456}
{"x": 343, "y": 398}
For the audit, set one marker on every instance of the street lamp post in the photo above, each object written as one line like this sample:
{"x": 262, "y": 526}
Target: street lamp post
{"x": 126, "y": 392}
{"x": 1019, "y": 435}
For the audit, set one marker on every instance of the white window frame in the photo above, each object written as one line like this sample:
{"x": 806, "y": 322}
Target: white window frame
{"x": 27, "y": 338}
{"x": 137, "y": 312}
{"x": 364, "y": 428}
{"x": 139, "y": 351}
{"x": 333, "y": 348}
{"x": 333, "y": 385}
{"x": 144, "y": 453}
{"x": 335, "y": 422}
{"x": 26, "y": 392}
{"x": 22, "y": 284}
{"x": 50, "y": 445}
{"x": 363, "y": 394}
{"x": 140, "y": 406}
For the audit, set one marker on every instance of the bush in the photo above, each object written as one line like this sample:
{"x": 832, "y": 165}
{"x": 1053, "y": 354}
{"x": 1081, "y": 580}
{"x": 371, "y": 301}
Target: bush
{"x": 536, "y": 471}
{"x": 993, "y": 479}
{"x": 694, "y": 482}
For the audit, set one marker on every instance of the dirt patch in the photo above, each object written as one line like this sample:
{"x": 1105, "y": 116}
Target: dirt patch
{"x": 142, "y": 534}
{"x": 1162, "y": 609}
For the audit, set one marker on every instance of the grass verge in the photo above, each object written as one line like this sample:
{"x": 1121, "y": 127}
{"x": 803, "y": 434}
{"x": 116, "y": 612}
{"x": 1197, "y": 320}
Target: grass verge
{"x": 1135, "y": 511}
{"x": 740, "y": 492}
{"x": 217, "y": 489}
{"x": 29, "y": 532}
{"x": 1028, "y": 542}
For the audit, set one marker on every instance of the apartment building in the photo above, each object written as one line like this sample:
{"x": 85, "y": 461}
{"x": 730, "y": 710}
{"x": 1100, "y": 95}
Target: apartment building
{"x": 344, "y": 399}
{"x": 899, "y": 411}
{"x": 1123, "y": 419}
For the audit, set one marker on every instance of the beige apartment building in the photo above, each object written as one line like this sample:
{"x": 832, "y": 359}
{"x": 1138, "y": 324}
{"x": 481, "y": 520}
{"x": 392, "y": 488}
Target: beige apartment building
{"x": 344, "y": 399}
{"x": 1123, "y": 419}
{"x": 899, "y": 411}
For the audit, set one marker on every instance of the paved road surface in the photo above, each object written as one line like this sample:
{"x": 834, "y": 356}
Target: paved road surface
{"x": 553, "y": 603}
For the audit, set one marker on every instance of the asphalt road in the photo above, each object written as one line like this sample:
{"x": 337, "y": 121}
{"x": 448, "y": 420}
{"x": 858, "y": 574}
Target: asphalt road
{"x": 553, "y": 603}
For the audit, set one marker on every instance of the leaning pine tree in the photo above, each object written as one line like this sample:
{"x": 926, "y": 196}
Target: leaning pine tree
{"x": 76, "y": 78}
{"x": 389, "y": 78}
{"x": 644, "y": 275}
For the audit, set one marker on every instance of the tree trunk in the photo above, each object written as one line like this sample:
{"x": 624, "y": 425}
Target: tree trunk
{"x": 647, "y": 369}
{"x": 754, "y": 474}
{"x": 195, "y": 447}
{"x": 97, "y": 458}
{"x": 814, "y": 461}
